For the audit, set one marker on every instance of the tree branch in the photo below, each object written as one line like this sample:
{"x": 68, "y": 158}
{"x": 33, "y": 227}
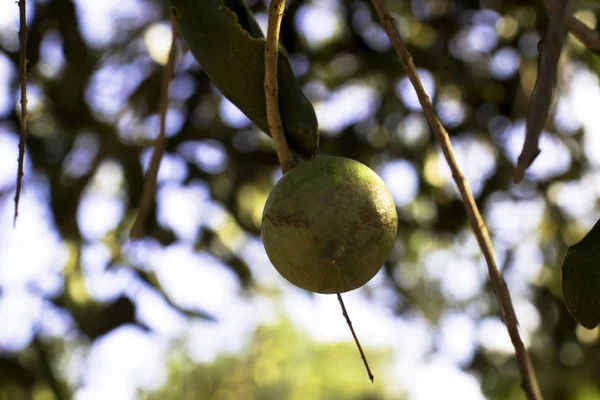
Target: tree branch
{"x": 23, "y": 30}
{"x": 286, "y": 159}
{"x": 148, "y": 190}
{"x": 478, "y": 225}
{"x": 589, "y": 37}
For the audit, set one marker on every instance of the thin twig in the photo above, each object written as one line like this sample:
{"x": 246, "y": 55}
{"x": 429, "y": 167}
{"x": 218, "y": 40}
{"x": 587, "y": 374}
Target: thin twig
{"x": 541, "y": 99}
{"x": 362, "y": 354}
{"x": 478, "y": 225}
{"x": 589, "y": 37}
{"x": 349, "y": 322}
{"x": 23, "y": 30}
{"x": 147, "y": 196}
{"x": 286, "y": 159}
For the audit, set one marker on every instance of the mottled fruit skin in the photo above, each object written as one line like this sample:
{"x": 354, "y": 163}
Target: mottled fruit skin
{"x": 329, "y": 225}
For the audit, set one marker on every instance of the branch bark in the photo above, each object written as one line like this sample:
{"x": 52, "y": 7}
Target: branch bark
{"x": 589, "y": 37}
{"x": 477, "y": 224}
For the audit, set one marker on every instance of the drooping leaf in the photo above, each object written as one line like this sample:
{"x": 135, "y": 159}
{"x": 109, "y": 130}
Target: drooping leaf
{"x": 227, "y": 42}
{"x": 581, "y": 279}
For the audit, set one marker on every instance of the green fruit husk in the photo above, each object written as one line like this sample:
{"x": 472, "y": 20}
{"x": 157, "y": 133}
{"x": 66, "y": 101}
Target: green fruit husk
{"x": 329, "y": 225}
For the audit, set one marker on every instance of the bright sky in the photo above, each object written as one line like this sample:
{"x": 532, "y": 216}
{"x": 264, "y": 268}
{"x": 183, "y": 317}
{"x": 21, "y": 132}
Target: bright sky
{"x": 128, "y": 358}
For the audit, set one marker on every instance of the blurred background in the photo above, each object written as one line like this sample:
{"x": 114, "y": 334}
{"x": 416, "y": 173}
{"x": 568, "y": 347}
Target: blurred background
{"x": 195, "y": 310}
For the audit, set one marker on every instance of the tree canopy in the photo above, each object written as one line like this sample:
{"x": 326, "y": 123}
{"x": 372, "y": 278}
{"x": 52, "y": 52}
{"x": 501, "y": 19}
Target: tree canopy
{"x": 194, "y": 308}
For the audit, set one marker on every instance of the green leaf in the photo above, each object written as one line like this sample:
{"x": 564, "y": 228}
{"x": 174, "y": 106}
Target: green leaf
{"x": 581, "y": 279}
{"x": 229, "y": 45}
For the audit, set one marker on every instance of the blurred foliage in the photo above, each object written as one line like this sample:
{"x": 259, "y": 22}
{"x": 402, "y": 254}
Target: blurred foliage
{"x": 279, "y": 363}
{"x": 78, "y": 148}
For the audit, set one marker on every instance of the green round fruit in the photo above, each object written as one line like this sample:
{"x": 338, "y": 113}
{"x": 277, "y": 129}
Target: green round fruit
{"x": 329, "y": 225}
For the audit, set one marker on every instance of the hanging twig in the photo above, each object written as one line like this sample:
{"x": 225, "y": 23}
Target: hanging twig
{"x": 286, "y": 159}
{"x": 589, "y": 37}
{"x": 148, "y": 190}
{"x": 23, "y": 30}
{"x": 360, "y": 350}
{"x": 478, "y": 225}
{"x": 540, "y": 102}
{"x": 349, "y": 323}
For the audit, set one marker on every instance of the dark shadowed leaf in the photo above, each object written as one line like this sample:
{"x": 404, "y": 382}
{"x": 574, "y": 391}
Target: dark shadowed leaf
{"x": 581, "y": 279}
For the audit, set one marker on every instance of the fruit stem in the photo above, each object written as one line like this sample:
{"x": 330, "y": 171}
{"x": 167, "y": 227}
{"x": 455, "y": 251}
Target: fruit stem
{"x": 286, "y": 159}
{"x": 360, "y": 350}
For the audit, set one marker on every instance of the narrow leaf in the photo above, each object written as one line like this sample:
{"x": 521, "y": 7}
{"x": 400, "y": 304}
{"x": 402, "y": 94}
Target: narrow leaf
{"x": 542, "y": 96}
{"x": 227, "y": 42}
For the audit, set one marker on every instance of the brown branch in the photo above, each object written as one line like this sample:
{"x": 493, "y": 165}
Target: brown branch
{"x": 589, "y": 37}
{"x": 360, "y": 350}
{"x": 540, "y": 101}
{"x": 478, "y": 225}
{"x": 147, "y": 196}
{"x": 286, "y": 159}
{"x": 23, "y": 30}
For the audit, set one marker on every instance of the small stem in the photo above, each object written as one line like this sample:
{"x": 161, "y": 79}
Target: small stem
{"x": 286, "y": 159}
{"x": 360, "y": 350}
{"x": 23, "y": 30}
{"x": 530, "y": 384}
{"x": 147, "y": 196}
